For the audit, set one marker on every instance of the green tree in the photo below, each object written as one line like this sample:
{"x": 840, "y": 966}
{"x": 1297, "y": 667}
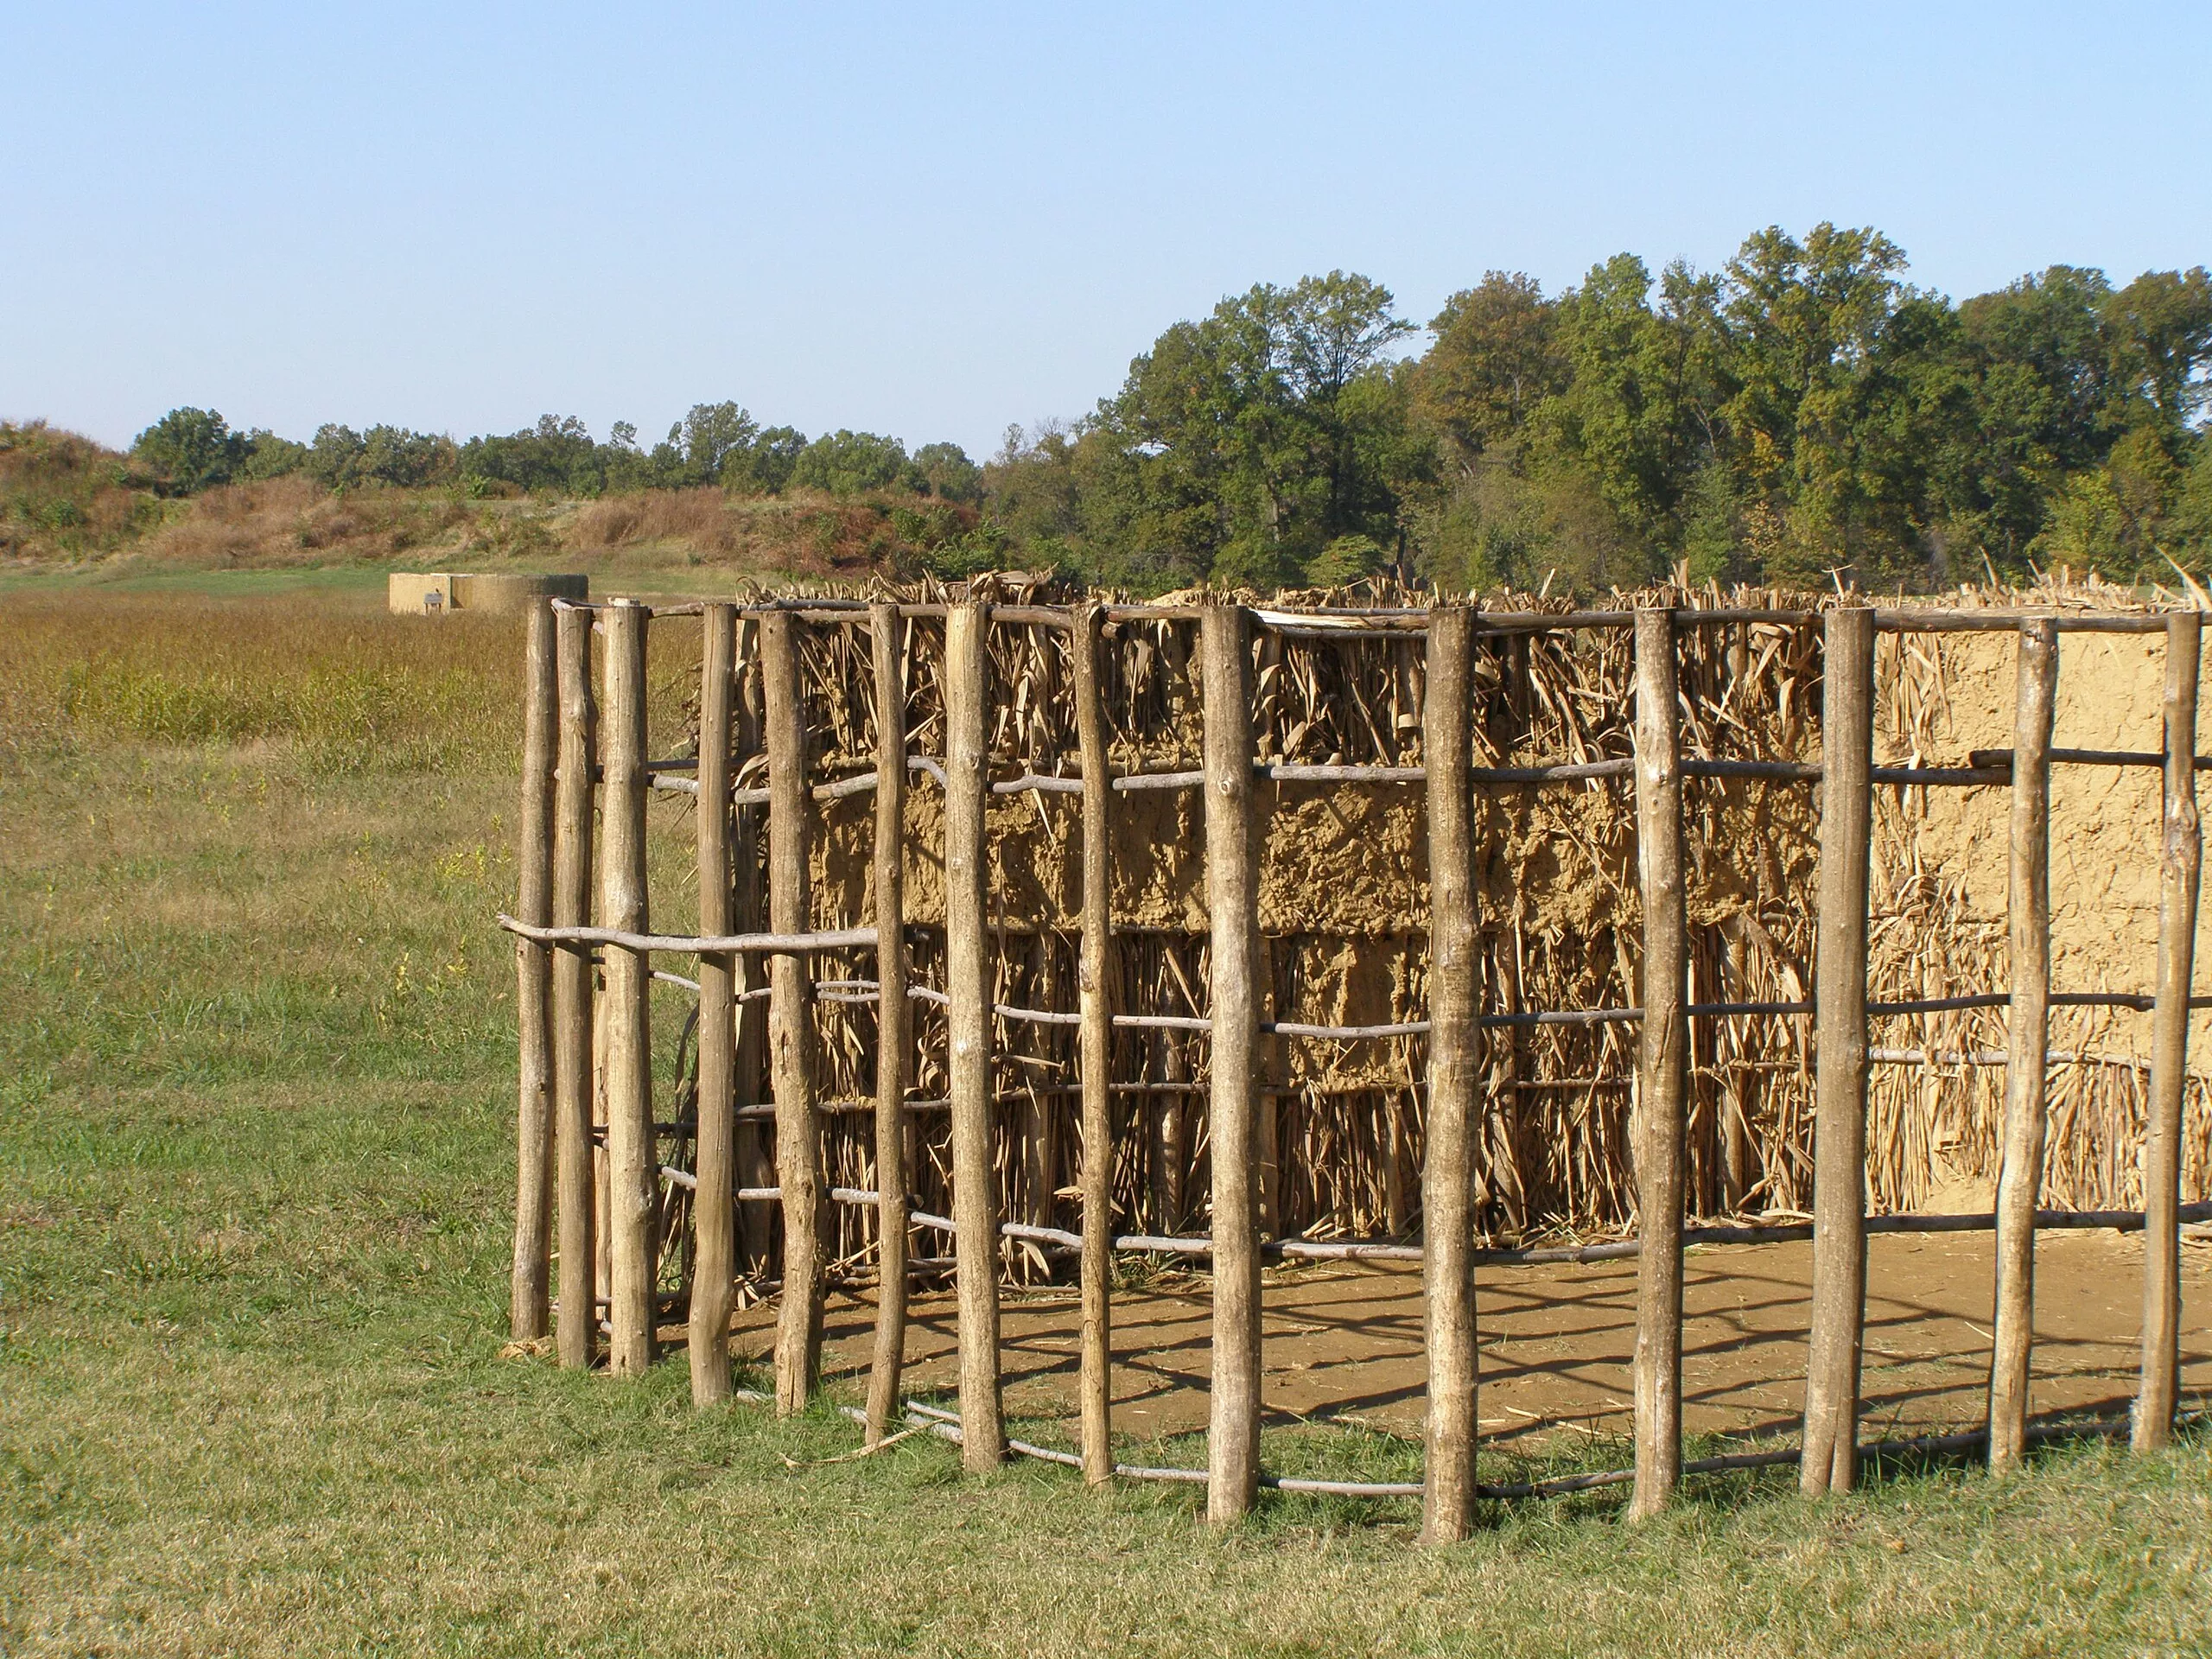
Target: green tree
{"x": 767, "y": 465}
{"x": 556, "y": 456}
{"x": 845, "y": 463}
{"x": 1806, "y": 321}
{"x": 709, "y": 439}
{"x": 1496, "y": 359}
{"x": 948, "y": 472}
{"x": 1245, "y": 447}
{"x": 188, "y": 450}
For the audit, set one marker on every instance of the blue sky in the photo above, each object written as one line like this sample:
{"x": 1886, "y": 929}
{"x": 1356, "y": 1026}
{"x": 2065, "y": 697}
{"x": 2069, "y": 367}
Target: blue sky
{"x": 932, "y": 222}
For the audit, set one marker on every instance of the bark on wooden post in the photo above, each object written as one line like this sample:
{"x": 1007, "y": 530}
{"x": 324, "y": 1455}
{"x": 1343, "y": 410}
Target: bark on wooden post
{"x": 632, "y": 1172}
{"x": 790, "y": 1024}
{"x": 577, "y": 1335}
{"x": 1095, "y": 1005}
{"x": 968, "y": 1019}
{"x": 1232, "y": 900}
{"x": 1662, "y": 1070}
{"x": 2182, "y": 855}
{"x": 893, "y": 1018}
{"x": 714, "y": 1209}
{"x": 528, "y": 1309}
{"x": 2019, "y": 1177}
{"x": 1830, "y": 1462}
{"x": 1455, "y": 1077}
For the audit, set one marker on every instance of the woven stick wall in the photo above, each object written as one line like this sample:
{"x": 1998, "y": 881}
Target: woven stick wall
{"x": 1345, "y": 903}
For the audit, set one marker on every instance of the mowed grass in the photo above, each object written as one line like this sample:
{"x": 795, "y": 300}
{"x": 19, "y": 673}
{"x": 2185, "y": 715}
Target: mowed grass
{"x": 256, "y": 1074}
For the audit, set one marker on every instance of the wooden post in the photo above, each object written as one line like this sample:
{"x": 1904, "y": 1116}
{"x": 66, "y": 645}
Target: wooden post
{"x": 790, "y": 1024}
{"x": 714, "y": 1209}
{"x": 1095, "y": 1005}
{"x": 2019, "y": 1174}
{"x": 1454, "y": 1076}
{"x": 1831, "y": 1445}
{"x": 893, "y": 1018}
{"x": 632, "y": 1173}
{"x": 528, "y": 1297}
{"x": 968, "y": 1019}
{"x": 1233, "y": 902}
{"x": 1663, "y": 1070}
{"x": 576, "y": 1336}
{"x": 2182, "y": 855}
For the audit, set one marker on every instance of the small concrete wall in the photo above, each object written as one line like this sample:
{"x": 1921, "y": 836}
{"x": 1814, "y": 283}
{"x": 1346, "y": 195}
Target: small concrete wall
{"x": 411, "y": 593}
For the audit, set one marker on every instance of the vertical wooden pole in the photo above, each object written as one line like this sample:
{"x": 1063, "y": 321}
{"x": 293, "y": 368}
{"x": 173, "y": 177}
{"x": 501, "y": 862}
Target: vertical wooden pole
{"x": 632, "y": 1172}
{"x": 968, "y": 1019}
{"x": 576, "y": 1336}
{"x": 2181, "y": 858}
{"x": 1233, "y": 901}
{"x": 1275, "y": 956}
{"x": 1831, "y": 1462}
{"x": 1454, "y": 1076}
{"x": 2019, "y": 1173}
{"x": 893, "y": 1020}
{"x": 1663, "y": 1069}
{"x": 1037, "y": 1146}
{"x": 1167, "y": 1062}
{"x": 790, "y": 1023}
{"x": 1095, "y": 1005}
{"x": 528, "y": 1297}
{"x": 714, "y": 1209}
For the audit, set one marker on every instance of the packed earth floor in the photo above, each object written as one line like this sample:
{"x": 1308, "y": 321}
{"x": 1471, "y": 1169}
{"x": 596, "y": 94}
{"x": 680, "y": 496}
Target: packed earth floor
{"x": 1344, "y": 1344}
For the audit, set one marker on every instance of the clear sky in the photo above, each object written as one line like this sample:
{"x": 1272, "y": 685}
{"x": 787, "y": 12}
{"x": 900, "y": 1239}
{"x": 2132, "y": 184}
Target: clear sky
{"x": 932, "y": 221}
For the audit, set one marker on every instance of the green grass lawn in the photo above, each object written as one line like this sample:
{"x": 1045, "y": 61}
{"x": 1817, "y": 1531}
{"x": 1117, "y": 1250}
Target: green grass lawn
{"x": 256, "y": 1103}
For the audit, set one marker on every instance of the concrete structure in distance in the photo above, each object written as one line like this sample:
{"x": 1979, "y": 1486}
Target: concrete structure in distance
{"x": 411, "y": 593}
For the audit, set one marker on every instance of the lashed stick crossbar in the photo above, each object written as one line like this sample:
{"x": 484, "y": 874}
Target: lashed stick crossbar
{"x": 865, "y": 991}
{"x": 1622, "y": 1250}
{"x": 945, "y": 1425}
{"x": 850, "y": 938}
{"x": 1989, "y": 767}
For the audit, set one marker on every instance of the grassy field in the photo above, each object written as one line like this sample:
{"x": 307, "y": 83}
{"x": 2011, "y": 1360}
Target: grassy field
{"x": 255, "y": 1107}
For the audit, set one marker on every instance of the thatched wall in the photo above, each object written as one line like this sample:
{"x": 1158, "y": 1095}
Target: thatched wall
{"x": 1345, "y": 903}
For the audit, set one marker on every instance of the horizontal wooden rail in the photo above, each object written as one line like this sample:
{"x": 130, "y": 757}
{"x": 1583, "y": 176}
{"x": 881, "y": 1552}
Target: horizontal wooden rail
{"x": 1387, "y": 621}
{"x": 1941, "y": 777}
{"x": 779, "y": 944}
{"x": 1917, "y": 621}
{"x": 945, "y": 1425}
{"x": 861, "y": 991}
{"x": 1574, "y": 772}
{"x": 1984, "y": 767}
{"x": 1621, "y": 1249}
{"x": 2003, "y": 758}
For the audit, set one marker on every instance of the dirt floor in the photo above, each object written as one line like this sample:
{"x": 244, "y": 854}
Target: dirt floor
{"x": 1345, "y": 1343}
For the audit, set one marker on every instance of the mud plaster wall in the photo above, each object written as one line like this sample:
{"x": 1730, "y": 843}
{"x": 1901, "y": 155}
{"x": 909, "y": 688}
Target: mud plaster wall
{"x": 1940, "y": 898}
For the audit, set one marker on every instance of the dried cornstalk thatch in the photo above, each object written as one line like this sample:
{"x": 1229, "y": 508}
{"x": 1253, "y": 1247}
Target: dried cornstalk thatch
{"x": 1343, "y": 902}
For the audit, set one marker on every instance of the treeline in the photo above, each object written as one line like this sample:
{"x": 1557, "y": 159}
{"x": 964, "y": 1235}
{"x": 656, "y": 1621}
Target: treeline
{"x": 1803, "y": 414}
{"x": 189, "y": 450}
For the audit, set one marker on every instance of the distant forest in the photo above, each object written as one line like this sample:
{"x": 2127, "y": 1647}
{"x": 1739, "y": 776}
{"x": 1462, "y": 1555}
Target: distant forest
{"x": 1803, "y": 415}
